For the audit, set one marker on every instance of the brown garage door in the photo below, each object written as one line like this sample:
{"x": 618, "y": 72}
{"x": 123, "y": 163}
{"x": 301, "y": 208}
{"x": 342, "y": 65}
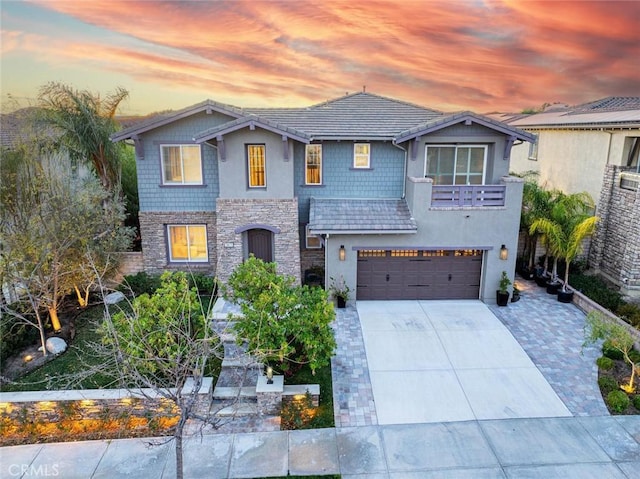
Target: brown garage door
{"x": 419, "y": 274}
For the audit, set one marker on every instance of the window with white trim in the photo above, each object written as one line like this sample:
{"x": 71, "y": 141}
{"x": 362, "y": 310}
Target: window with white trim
{"x": 187, "y": 243}
{"x": 181, "y": 164}
{"x": 313, "y": 165}
{"x": 533, "y": 150}
{"x": 361, "y": 155}
{"x": 312, "y": 241}
{"x": 257, "y": 165}
{"x": 456, "y": 164}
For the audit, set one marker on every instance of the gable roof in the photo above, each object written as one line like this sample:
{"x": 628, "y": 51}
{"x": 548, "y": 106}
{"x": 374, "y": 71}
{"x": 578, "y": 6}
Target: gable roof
{"x": 251, "y": 121}
{"x": 157, "y": 121}
{"x": 359, "y": 116}
{"x": 465, "y": 117}
{"x": 347, "y": 215}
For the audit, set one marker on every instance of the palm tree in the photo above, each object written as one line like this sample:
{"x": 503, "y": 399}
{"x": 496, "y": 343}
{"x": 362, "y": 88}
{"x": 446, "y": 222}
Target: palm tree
{"x": 568, "y": 224}
{"x": 536, "y": 204}
{"x": 82, "y": 123}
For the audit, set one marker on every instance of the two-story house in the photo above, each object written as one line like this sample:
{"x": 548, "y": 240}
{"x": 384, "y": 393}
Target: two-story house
{"x": 401, "y": 201}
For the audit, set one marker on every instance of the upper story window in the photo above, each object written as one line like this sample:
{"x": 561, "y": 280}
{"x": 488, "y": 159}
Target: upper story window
{"x": 313, "y": 165}
{"x": 187, "y": 243}
{"x": 181, "y": 164}
{"x": 257, "y": 166}
{"x": 533, "y": 150}
{"x": 361, "y": 155}
{"x": 456, "y": 164}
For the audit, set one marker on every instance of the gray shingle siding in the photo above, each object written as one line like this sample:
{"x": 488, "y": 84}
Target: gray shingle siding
{"x": 340, "y": 179}
{"x": 153, "y": 196}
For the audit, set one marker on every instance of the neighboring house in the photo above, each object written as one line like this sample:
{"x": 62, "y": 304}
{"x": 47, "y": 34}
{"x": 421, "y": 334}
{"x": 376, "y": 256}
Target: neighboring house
{"x": 594, "y": 147}
{"x": 403, "y": 202}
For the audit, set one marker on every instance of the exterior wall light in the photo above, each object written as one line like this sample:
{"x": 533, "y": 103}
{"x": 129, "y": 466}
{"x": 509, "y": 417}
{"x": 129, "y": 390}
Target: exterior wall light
{"x": 504, "y": 253}
{"x": 342, "y": 253}
{"x": 269, "y": 375}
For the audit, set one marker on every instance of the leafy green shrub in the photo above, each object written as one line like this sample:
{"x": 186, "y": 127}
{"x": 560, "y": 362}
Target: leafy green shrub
{"x": 607, "y": 384}
{"x": 610, "y": 352}
{"x": 618, "y": 401}
{"x": 596, "y": 289}
{"x": 630, "y": 313}
{"x": 203, "y": 283}
{"x": 636, "y": 401}
{"x": 605, "y": 363}
{"x": 634, "y": 356}
{"x": 140, "y": 283}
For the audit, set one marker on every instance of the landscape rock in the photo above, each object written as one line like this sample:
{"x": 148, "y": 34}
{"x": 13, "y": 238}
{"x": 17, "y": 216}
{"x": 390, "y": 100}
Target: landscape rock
{"x": 113, "y": 298}
{"x": 56, "y": 345}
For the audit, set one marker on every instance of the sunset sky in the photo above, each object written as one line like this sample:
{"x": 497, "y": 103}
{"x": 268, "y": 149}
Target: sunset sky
{"x": 449, "y": 55}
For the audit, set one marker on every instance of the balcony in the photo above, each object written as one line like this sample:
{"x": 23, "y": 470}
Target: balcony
{"x": 443, "y": 196}
{"x": 629, "y": 181}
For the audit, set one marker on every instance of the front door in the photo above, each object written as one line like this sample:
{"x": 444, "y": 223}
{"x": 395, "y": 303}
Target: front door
{"x": 260, "y": 244}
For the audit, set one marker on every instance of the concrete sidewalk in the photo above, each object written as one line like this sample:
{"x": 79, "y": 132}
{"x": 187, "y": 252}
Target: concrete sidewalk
{"x": 580, "y": 447}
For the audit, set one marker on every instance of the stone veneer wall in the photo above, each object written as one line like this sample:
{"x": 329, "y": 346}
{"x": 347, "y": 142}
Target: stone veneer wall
{"x": 154, "y": 240}
{"x": 615, "y": 249}
{"x": 277, "y": 213}
{"x": 310, "y": 258}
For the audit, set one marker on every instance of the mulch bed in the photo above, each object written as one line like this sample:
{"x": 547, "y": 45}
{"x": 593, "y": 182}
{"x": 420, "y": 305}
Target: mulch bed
{"x": 620, "y": 373}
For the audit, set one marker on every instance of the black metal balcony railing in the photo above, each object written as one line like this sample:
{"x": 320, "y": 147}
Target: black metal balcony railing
{"x": 467, "y": 195}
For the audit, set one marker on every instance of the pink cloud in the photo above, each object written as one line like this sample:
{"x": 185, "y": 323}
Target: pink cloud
{"x": 496, "y": 55}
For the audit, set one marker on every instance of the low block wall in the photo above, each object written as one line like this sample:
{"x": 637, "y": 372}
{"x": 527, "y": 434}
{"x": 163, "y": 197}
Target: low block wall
{"x": 587, "y": 305}
{"x": 38, "y": 416}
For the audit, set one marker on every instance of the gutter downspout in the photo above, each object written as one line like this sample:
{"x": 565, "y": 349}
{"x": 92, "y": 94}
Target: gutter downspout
{"x": 404, "y": 172}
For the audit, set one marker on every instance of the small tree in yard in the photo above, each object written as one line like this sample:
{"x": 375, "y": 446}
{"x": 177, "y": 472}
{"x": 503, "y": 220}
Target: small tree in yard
{"x": 599, "y": 328}
{"x": 163, "y": 341}
{"x": 55, "y": 230}
{"x": 281, "y": 321}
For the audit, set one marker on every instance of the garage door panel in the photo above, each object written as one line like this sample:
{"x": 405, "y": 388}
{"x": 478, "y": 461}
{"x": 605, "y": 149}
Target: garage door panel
{"x": 419, "y": 275}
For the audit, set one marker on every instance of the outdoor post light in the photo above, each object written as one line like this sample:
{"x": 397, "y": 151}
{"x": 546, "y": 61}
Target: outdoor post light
{"x": 342, "y": 253}
{"x": 269, "y": 375}
{"x": 504, "y": 253}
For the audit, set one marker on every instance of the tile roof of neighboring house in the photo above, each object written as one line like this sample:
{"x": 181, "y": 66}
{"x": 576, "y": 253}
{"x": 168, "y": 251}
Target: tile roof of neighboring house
{"x": 373, "y": 216}
{"x": 623, "y": 112}
{"x": 359, "y": 116}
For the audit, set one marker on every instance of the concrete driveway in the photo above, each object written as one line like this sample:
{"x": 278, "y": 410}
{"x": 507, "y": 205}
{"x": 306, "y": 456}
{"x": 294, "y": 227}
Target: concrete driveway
{"x": 439, "y": 361}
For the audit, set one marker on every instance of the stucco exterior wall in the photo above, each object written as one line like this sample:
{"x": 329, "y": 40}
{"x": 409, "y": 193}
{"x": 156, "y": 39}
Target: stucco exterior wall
{"x": 275, "y": 213}
{"x": 486, "y": 228}
{"x": 153, "y": 229}
{"x": 234, "y": 170}
{"x": 573, "y": 160}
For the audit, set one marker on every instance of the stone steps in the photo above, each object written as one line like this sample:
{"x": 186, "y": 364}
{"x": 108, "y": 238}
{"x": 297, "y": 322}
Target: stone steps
{"x": 245, "y": 392}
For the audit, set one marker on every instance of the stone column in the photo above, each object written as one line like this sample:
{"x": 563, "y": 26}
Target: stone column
{"x": 270, "y": 395}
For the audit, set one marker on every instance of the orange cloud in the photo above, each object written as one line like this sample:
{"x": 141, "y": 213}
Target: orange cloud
{"x": 448, "y": 55}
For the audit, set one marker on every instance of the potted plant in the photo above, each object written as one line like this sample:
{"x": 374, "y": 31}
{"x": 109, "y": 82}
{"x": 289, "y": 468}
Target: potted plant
{"x": 340, "y": 290}
{"x": 502, "y": 294}
{"x": 516, "y": 295}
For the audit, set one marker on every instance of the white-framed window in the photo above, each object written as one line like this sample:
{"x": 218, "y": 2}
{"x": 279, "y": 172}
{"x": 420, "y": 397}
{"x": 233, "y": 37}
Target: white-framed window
{"x": 313, "y": 165}
{"x": 257, "y": 166}
{"x": 361, "y": 155}
{"x": 533, "y": 150}
{"x": 312, "y": 241}
{"x": 187, "y": 243}
{"x": 456, "y": 164}
{"x": 181, "y": 164}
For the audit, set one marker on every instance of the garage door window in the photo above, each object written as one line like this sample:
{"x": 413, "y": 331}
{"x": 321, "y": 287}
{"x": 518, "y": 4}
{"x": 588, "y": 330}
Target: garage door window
{"x": 456, "y": 165}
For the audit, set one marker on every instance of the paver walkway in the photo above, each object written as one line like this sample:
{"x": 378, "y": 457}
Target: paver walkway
{"x": 552, "y": 334}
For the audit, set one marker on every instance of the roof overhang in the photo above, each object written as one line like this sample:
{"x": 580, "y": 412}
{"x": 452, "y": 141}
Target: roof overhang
{"x": 467, "y": 118}
{"x": 252, "y": 122}
{"x": 207, "y": 106}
